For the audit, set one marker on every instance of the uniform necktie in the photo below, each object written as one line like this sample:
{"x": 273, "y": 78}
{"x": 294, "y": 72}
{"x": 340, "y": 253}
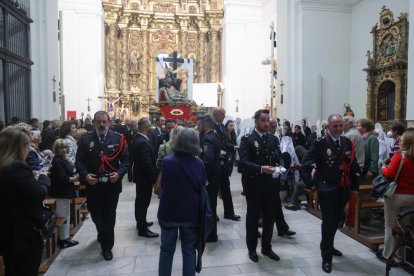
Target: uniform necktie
{"x": 102, "y": 139}
{"x": 264, "y": 138}
{"x": 338, "y": 146}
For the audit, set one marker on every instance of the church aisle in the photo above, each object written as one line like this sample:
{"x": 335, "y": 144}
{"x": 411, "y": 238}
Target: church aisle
{"x": 135, "y": 255}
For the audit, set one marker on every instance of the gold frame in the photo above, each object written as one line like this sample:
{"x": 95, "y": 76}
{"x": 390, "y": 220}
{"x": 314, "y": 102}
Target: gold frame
{"x": 388, "y": 62}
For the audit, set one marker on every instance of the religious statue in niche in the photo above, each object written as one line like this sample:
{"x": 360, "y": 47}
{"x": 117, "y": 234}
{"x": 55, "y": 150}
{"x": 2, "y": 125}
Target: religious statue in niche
{"x": 133, "y": 62}
{"x": 389, "y": 45}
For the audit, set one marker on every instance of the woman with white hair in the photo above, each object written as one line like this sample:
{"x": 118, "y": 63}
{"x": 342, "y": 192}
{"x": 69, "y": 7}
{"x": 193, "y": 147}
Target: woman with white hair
{"x": 182, "y": 177}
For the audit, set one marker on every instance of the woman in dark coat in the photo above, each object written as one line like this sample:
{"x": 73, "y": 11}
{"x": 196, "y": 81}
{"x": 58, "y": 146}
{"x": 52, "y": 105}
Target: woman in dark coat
{"x": 48, "y": 138}
{"x": 181, "y": 175}
{"x": 63, "y": 176}
{"x": 20, "y": 195}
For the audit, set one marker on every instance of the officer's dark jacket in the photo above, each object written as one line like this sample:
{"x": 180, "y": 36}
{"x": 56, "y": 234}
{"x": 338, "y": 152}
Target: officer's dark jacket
{"x": 145, "y": 171}
{"x": 328, "y": 164}
{"x": 254, "y": 154}
{"x": 89, "y": 151}
{"x": 225, "y": 142}
{"x": 210, "y": 146}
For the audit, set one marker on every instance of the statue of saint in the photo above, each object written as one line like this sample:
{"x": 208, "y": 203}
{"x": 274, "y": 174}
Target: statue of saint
{"x": 169, "y": 88}
{"x": 133, "y": 62}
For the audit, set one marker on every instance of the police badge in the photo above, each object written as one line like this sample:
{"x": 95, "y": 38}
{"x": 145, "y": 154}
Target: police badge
{"x": 256, "y": 144}
{"x": 91, "y": 144}
{"x": 329, "y": 152}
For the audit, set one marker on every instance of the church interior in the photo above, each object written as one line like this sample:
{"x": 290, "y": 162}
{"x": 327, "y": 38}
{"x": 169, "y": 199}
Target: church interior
{"x": 301, "y": 60}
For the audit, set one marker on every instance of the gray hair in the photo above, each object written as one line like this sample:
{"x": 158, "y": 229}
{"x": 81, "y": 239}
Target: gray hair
{"x": 187, "y": 141}
{"x": 350, "y": 120}
{"x": 174, "y": 132}
{"x": 330, "y": 118}
{"x": 143, "y": 122}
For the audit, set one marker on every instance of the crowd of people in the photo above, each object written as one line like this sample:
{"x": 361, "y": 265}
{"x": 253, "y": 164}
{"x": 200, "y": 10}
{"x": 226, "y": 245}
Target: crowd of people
{"x": 334, "y": 156}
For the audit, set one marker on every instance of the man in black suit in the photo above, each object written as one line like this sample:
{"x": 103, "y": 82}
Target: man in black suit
{"x": 210, "y": 147}
{"x": 336, "y": 169}
{"x": 164, "y": 137}
{"x": 259, "y": 154}
{"x": 129, "y": 136}
{"x": 144, "y": 174}
{"x": 120, "y": 128}
{"x": 102, "y": 160}
{"x": 226, "y": 149}
{"x": 156, "y": 131}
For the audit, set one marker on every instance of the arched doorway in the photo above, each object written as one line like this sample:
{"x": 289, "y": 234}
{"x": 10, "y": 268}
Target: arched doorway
{"x": 386, "y": 101}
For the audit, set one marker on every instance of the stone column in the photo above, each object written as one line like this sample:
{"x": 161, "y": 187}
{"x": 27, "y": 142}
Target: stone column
{"x": 397, "y": 103}
{"x": 111, "y": 38}
{"x": 215, "y": 57}
{"x": 201, "y": 66}
{"x": 124, "y": 61}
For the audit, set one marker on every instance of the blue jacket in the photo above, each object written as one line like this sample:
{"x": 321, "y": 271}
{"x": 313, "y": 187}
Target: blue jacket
{"x": 179, "y": 200}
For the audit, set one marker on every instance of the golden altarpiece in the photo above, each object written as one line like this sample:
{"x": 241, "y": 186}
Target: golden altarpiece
{"x": 387, "y": 69}
{"x": 137, "y": 31}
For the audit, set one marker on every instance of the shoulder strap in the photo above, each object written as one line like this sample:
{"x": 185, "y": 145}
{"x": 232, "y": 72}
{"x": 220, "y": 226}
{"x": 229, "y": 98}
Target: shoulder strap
{"x": 196, "y": 187}
{"x": 399, "y": 168}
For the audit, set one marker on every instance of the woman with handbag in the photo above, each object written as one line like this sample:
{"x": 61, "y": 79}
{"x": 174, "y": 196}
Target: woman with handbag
{"x": 63, "y": 176}
{"x": 404, "y": 193}
{"x": 21, "y": 195}
{"x": 181, "y": 175}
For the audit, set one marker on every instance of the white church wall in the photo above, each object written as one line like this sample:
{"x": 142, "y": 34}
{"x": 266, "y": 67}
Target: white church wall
{"x": 245, "y": 46}
{"x": 83, "y": 54}
{"x": 365, "y": 14}
{"x": 410, "y": 88}
{"x": 313, "y": 57}
{"x": 45, "y": 56}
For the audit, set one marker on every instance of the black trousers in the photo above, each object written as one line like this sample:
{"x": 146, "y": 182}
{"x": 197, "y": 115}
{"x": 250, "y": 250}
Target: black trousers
{"x": 281, "y": 224}
{"x": 24, "y": 262}
{"x": 332, "y": 207}
{"x": 226, "y": 193}
{"x": 102, "y": 204}
{"x": 142, "y": 201}
{"x": 212, "y": 190}
{"x": 261, "y": 197}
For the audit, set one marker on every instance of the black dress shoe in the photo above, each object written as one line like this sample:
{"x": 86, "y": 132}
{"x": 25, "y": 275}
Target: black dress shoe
{"x": 272, "y": 255}
{"x": 287, "y": 233}
{"x": 233, "y": 217}
{"x": 327, "y": 266}
{"x": 253, "y": 256}
{"x": 292, "y": 207}
{"x": 148, "y": 224}
{"x": 147, "y": 233}
{"x": 67, "y": 243}
{"x": 337, "y": 253}
{"x": 107, "y": 255}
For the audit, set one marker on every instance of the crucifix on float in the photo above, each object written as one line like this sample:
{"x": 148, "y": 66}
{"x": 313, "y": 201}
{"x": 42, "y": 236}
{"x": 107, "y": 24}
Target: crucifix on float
{"x": 175, "y": 60}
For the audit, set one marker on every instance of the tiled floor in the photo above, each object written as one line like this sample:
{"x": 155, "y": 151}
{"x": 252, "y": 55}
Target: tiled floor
{"x": 135, "y": 255}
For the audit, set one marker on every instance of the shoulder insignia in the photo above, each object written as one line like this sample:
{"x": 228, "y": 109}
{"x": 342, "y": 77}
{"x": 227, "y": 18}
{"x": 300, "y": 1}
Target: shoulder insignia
{"x": 118, "y": 133}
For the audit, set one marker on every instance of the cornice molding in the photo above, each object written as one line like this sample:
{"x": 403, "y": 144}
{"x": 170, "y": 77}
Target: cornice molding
{"x": 343, "y": 6}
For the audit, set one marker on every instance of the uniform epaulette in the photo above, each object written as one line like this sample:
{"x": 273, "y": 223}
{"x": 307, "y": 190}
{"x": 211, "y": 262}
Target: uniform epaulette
{"x": 118, "y": 133}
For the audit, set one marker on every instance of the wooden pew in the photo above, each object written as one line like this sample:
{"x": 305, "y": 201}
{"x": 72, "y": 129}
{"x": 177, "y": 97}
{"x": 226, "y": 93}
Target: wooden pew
{"x": 371, "y": 241}
{"x": 76, "y": 205}
{"x": 313, "y": 202}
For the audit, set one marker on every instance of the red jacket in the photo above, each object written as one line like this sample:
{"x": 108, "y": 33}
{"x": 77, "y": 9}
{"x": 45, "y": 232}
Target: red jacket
{"x": 405, "y": 181}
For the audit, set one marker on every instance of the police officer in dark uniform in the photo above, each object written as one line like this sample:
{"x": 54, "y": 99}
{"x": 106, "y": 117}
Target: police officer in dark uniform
{"x": 226, "y": 149}
{"x": 259, "y": 154}
{"x": 334, "y": 176}
{"x": 210, "y": 147}
{"x": 102, "y": 161}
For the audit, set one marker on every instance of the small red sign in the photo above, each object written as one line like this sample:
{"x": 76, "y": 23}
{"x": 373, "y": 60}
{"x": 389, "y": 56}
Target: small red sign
{"x": 70, "y": 115}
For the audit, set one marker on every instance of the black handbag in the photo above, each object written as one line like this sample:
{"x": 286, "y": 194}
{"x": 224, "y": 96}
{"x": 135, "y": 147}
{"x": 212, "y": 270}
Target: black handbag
{"x": 383, "y": 186}
{"x": 45, "y": 221}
